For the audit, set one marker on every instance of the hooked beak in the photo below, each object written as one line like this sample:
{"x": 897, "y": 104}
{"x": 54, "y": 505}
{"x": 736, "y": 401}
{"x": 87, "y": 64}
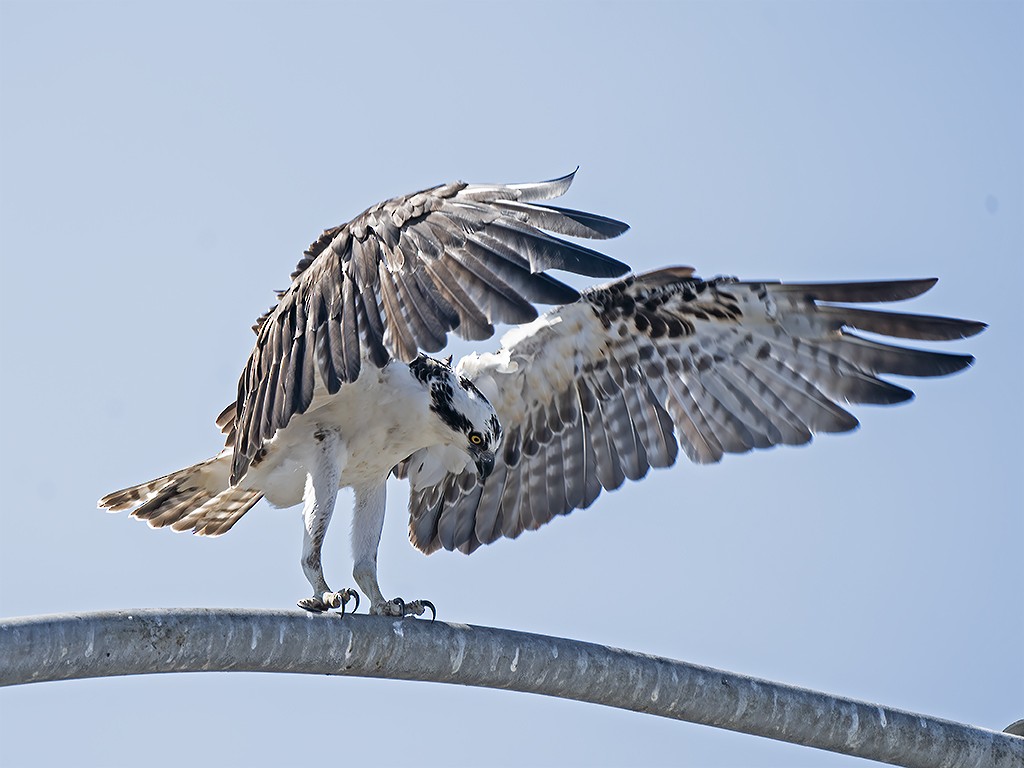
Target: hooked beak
{"x": 484, "y": 464}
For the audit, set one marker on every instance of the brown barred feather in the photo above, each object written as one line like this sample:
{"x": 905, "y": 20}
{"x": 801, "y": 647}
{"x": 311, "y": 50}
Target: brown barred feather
{"x": 196, "y": 499}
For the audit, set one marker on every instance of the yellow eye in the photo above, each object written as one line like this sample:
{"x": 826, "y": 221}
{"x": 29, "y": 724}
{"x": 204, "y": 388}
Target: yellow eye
{"x": 475, "y": 439}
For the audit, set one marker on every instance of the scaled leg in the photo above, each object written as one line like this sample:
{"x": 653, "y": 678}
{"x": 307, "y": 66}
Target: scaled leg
{"x": 318, "y": 506}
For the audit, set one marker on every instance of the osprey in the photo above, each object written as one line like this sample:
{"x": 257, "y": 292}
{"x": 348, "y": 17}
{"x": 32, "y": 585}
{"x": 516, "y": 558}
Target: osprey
{"x": 338, "y": 393}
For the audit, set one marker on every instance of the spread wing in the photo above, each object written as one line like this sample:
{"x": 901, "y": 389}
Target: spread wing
{"x": 601, "y": 390}
{"x": 396, "y": 279}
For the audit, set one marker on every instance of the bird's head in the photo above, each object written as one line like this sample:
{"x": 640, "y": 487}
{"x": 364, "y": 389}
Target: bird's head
{"x": 463, "y": 409}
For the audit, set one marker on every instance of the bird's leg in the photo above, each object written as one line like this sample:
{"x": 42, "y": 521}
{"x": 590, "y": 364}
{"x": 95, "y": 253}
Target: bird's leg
{"x": 318, "y": 506}
{"x": 367, "y": 522}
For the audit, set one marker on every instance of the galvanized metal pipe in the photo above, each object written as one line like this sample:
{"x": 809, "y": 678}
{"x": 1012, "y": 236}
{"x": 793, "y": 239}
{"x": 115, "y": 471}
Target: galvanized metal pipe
{"x": 63, "y": 647}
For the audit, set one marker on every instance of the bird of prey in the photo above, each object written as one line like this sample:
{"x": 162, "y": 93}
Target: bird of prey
{"x": 338, "y": 391}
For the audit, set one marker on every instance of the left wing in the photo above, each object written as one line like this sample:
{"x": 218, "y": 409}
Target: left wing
{"x": 397, "y": 279}
{"x": 601, "y": 390}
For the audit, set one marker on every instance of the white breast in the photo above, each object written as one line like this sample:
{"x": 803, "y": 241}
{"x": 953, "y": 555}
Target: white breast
{"x": 383, "y": 417}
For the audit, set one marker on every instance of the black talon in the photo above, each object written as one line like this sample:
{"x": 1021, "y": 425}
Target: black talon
{"x": 344, "y": 597}
{"x": 401, "y": 605}
{"x": 433, "y": 611}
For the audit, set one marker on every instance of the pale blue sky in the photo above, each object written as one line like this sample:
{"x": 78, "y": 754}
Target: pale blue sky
{"x": 162, "y": 166}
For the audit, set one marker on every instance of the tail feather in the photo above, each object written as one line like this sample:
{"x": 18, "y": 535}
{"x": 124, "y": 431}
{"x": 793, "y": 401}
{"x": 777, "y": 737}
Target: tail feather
{"x": 168, "y": 506}
{"x": 198, "y": 498}
{"x": 218, "y": 514}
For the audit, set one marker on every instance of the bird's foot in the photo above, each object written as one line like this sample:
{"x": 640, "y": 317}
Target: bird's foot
{"x": 329, "y": 600}
{"x": 398, "y": 607}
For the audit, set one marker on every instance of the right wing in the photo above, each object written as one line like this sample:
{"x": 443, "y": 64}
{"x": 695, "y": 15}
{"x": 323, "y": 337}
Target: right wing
{"x": 601, "y": 390}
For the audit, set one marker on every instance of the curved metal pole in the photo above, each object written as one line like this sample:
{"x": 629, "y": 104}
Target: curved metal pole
{"x": 63, "y": 647}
